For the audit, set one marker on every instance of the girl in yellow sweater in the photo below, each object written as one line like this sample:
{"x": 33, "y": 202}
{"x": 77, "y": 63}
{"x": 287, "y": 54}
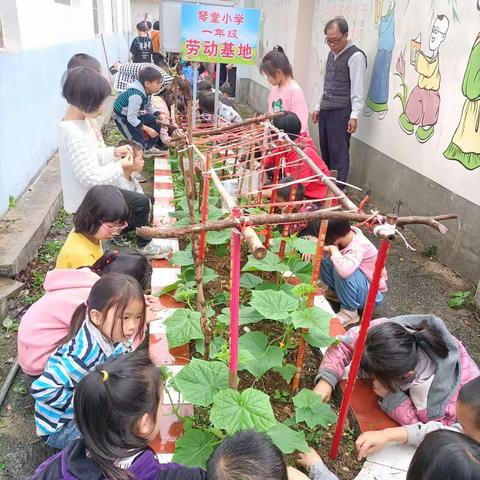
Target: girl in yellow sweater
{"x": 102, "y": 215}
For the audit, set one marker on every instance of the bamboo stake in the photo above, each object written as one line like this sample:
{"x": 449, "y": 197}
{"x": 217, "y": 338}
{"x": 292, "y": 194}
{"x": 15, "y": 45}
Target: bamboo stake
{"x": 273, "y": 198}
{"x": 344, "y": 200}
{"x": 311, "y": 297}
{"x": 197, "y": 264}
{"x": 235, "y": 252}
{"x": 205, "y": 192}
{"x": 362, "y": 336}
{"x": 279, "y": 218}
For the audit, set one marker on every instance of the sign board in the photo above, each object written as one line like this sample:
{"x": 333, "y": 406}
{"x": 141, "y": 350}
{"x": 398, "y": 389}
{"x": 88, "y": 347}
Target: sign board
{"x": 219, "y": 34}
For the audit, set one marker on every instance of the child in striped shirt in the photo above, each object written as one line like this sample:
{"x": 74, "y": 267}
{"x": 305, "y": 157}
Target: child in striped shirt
{"x": 103, "y": 327}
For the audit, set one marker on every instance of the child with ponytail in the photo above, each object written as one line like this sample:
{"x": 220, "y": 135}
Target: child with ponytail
{"x": 285, "y": 94}
{"x": 118, "y": 412}
{"x": 47, "y": 321}
{"x": 103, "y": 327}
{"x": 416, "y": 364}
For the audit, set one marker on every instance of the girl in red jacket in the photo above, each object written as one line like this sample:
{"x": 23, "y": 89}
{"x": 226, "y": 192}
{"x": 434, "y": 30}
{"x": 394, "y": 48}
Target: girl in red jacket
{"x": 293, "y": 166}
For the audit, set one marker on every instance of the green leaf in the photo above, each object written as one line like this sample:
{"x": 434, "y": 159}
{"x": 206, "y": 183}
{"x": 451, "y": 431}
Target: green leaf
{"x": 234, "y": 411}
{"x": 218, "y": 238}
{"x": 246, "y": 316}
{"x": 303, "y": 289}
{"x": 273, "y": 305}
{"x": 214, "y": 213}
{"x": 217, "y": 344}
{"x": 221, "y": 250}
{"x": 285, "y": 287}
{"x": 286, "y": 371}
{"x": 312, "y": 317}
{"x": 182, "y": 326}
{"x": 169, "y": 288}
{"x": 319, "y": 339}
{"x": 208, "y": 275}
{"x": 194, "y": 448}
{"x": 271, "y": 263}
{"x": 302, "y": 270}
{"x": 288, "y": 440}
{"x": 264, "y": 357}
{"x": 310, "y": 409}
{"x": 200, "y": 380}
{"x": 303, "y": 245}
{"x": 250, "y": 281}
{"x": 182, "y": 258}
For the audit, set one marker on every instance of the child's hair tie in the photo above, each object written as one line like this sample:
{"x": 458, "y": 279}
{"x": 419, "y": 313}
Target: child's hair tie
{"x": 104, "y": 375}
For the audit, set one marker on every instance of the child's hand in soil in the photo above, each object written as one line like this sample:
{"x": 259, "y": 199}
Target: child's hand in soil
{"x": 306, "y": 460}
{"x": 294, "y": 474}
{"x": 324, "y": 389}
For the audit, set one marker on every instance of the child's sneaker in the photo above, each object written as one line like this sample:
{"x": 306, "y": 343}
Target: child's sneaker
{"x": 347, "y": 317}
{"x": 153, "y": 251}
{"x": 154, "y": 151}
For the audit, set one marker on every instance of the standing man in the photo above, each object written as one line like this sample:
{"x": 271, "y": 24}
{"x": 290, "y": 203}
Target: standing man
{"x": 339, "y": 107}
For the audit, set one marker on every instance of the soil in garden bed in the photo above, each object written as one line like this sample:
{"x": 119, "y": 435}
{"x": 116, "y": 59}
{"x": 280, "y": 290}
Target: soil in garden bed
{"x": 274, "y": 385}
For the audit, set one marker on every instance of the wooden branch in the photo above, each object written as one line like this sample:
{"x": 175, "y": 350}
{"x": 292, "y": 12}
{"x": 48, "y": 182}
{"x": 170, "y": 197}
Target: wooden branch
{"x": 279, "y": 218}
{"x": 233, "y": 126}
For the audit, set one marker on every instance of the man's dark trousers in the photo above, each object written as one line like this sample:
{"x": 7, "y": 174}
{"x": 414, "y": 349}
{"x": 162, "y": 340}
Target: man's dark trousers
{"x": 335, "y": 141}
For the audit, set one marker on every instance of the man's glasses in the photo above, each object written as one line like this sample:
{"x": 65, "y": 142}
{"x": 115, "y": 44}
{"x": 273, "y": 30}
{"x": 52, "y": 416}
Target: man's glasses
{"x": 334, "y": 41}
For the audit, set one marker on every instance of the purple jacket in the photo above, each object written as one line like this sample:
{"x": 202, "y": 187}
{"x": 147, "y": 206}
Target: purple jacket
{"x": 73, "y": 464}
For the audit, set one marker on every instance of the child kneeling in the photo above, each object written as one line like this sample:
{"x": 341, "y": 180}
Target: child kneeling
{"x": 416, "y": 364}
{"x": 348, "y": 270}
{"x": 110, "y": 323}
{"x": 118, "y": 413}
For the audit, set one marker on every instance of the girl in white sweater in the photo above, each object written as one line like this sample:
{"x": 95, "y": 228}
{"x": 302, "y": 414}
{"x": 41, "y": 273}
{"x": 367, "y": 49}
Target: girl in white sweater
{"x": 84, "y": 162}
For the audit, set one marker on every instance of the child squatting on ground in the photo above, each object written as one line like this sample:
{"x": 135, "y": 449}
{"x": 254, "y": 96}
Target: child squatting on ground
{"x": 47, "y": 321}
{"x": 102, "y": 215}
{"x": 416, "y": 364}
{"x": 347, "y": 269}
{"x": 291, "y": 163}
{"x": 134, "y": 114}
{"x": 103, "y": 327}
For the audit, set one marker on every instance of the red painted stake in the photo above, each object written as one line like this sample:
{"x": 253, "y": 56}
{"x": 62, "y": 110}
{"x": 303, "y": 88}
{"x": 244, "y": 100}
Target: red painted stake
{"x": 206, "y": 188}
{"x": 276, "y": 175}
{"x": 235, "y": 245}
{"x": 362, "y": 336}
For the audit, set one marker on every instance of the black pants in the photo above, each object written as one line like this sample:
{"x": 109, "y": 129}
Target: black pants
{"x": 139, "y": 205}
{"x": 335, "y": 141}
{"x": 134, "y": 133}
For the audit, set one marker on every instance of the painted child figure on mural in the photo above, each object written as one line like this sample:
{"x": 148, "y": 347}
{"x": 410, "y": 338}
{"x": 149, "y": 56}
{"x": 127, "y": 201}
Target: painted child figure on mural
{"x": 423, "y": 105}
{"x": 465, "y": 144}
{"x": 377, "y": 98}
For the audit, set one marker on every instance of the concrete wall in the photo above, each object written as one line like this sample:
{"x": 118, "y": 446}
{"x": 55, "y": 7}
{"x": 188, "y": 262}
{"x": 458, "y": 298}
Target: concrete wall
{"x": 398, "y": 168}
{"x": 31, "y": 106}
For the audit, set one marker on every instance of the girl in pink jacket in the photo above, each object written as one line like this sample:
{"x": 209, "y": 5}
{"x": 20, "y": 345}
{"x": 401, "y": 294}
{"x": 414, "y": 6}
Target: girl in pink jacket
{"x": 47, "y": 321}
{"x": 416, "y": 364}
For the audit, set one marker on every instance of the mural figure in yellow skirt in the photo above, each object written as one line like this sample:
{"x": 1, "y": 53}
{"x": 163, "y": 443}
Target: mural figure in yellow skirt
{"x": 465, "y": 144}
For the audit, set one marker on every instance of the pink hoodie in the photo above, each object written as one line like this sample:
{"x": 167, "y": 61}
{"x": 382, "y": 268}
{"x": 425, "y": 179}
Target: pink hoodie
{"x": 47, "y": 321}
{"x": 360, "y": 253}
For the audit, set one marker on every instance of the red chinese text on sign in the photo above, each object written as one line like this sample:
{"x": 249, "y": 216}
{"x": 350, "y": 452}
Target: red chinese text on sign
{"x": 192, "y": 46}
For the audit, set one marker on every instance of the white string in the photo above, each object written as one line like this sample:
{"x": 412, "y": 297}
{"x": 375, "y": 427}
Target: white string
{"x": 389, "y": 230}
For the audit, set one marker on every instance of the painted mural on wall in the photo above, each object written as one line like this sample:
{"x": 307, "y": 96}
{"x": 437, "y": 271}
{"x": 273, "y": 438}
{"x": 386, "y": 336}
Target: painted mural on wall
{"x": 421, "y": 110}
{"x": 465, "y": 144}
{"x": 377, "y": 98}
